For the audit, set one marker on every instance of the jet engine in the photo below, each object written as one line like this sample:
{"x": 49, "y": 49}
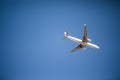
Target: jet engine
{"x": 89, "y": 40}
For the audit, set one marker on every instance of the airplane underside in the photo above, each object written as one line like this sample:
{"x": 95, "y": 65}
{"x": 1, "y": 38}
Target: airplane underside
{"x": 82, "y": 43}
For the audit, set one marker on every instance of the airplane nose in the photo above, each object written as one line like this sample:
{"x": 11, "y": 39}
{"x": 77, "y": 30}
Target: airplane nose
{"x": 98, "y": 47}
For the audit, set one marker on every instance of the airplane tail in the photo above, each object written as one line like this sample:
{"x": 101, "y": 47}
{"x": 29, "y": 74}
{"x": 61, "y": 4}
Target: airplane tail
{"x": 65, "y": 34}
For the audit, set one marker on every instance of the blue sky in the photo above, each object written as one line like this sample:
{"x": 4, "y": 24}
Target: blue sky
{"x": 32, "y": 45}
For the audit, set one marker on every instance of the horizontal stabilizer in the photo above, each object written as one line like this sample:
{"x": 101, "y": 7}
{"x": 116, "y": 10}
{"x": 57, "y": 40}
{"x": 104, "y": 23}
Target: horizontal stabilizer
{"x": 65, "y": 34}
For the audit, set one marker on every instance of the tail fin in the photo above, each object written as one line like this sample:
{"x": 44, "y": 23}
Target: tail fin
{"x": 65, "y": 34}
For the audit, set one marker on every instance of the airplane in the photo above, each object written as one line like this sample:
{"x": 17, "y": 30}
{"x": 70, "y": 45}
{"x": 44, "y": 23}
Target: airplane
{"x": 82, "y": 43}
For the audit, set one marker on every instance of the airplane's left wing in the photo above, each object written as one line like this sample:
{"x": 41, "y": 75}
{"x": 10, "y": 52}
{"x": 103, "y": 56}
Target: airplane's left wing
{"x": 76, "y": 48}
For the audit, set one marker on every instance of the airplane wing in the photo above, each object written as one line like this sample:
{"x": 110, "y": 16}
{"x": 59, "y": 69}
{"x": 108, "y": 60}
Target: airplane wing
{"x": 85, "y": 39}
{"x": 92, "y": 45}
{"x": 76, "y": 48}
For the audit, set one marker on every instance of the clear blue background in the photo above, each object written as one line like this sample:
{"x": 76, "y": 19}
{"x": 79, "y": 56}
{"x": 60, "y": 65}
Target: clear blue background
{"x": 32, "y": 45}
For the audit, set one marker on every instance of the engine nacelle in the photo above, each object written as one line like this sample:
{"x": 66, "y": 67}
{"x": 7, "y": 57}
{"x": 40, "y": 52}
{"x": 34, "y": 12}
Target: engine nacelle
{"x": 89, "y": 40}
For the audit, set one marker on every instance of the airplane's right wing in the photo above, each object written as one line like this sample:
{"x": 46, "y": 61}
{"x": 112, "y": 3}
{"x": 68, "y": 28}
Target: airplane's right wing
{"x": 85, "y": 39}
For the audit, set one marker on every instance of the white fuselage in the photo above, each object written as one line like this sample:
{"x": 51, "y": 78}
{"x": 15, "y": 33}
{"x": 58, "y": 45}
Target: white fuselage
{"x": 81, "y": 42}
